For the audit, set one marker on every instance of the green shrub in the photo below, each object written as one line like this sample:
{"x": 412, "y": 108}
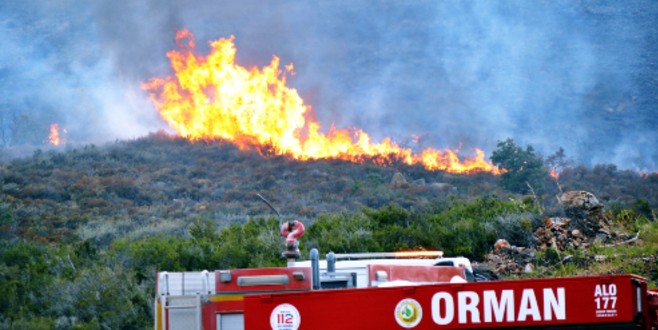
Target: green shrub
{"x": 340, "y": 234}
{"x": 523, "y": 168}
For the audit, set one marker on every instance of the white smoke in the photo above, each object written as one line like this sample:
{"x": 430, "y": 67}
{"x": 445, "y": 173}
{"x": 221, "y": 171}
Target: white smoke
{"x": 573, "y": 74}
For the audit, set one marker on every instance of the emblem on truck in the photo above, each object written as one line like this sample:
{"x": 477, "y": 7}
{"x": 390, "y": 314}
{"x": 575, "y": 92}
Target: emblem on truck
{"x": 285, "y": 317}
{"x": 408, "y": 313}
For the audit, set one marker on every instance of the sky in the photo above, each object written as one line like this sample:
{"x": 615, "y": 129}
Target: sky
{"x": 578, "y": 75}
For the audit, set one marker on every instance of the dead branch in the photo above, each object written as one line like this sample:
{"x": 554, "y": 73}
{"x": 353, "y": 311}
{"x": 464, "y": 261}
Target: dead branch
{"x": 628, "y": 241}
{"x": 534, "y": 195}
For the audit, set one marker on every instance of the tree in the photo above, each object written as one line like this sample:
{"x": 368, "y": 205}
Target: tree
{"x": 559, "y": 161}
{"x": 524, "y": 170}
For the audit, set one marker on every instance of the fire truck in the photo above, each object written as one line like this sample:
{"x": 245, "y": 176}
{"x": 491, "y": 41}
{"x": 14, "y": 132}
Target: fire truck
{"x": 403, "y": 290}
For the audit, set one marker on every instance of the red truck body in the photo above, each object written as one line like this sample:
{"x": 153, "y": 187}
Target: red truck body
{"x": 283, "y": 299}
{"x": 558, "y": 302}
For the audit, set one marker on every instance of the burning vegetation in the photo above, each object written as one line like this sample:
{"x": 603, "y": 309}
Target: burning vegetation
{"x": 53, "y": 138}
{"x": 57, "y": 136}
{"x": 211, "y": 97}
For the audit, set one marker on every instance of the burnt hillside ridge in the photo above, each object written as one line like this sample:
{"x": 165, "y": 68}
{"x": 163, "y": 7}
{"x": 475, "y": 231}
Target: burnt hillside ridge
{"x": 159, "y": 183}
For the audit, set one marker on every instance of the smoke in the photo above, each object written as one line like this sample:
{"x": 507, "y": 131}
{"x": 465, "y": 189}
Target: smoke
{"x": 54, "y": 68}
{"x": 580, "y": 75}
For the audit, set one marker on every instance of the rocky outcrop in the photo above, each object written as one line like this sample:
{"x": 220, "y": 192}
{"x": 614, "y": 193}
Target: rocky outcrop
{"x": 556, "y": 233}
{"x": 585, "y": 213}
{"x": 579, "y": 200}
{"x": 398, "y": 181}
{"x": 507, "y": 259}
{"x": 585, "y": 223}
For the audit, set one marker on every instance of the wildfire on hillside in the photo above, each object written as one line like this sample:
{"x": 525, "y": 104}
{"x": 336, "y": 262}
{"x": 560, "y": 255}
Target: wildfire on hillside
{"x": 212, "y": 97}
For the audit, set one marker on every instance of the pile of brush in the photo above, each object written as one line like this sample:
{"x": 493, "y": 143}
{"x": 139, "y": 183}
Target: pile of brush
{"x": 584, "y": 224}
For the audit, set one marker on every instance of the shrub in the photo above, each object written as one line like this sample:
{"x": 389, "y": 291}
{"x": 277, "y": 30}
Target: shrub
{"x": 340, "y": 234}
{"x": 523, "y": 168}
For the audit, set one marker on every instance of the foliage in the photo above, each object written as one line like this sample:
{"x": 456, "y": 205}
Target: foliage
{"x": 559, "y": 161}
{"x": 60, "y": 286}
{"x": 76, "y": 286}
{"x": 457, "y": 228}
{"x": 524, "y": 170}
{"x": 340, "y": 234}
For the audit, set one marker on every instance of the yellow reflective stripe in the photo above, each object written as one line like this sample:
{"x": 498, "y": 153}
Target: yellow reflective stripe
{"x": 227, "y": 298}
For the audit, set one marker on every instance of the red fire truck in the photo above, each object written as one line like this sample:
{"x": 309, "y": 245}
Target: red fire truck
{"x": 396, "y": 291}
{"x": 397, "y": 294}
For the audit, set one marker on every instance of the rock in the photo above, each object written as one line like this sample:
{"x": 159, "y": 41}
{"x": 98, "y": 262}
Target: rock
{"x": 579, "y": 199}
{"x": 442, "y": 186}
{"x": 511, "y": 259}
{"x": 494, "y": 259}
{"x": 484, "y": 272}
{"x": 419, "y": 182}
{"x": 585, "y": 211}
{"x": 550, "y": 223}
{"x": 398, "y": 181}
{"x": 539, "y": 231}
{"x": 552, "y": 243}
{"x": 501, "y": 244}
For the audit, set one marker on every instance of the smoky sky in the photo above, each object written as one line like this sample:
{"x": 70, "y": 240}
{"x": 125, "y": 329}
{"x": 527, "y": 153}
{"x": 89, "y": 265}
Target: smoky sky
{"x": 578, "y": 75}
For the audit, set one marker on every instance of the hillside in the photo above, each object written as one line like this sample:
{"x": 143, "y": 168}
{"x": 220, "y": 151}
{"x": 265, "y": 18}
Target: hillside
{"x": 163, "y": 183}
{"x": 159, "y": 184}
{"x": 84, "y": 228}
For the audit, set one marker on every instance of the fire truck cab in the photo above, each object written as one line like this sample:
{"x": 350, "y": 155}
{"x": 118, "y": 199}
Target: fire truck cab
{"x": 362, "y": 270}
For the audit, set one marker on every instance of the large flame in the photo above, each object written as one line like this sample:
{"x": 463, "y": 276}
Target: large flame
{"x": 212, "y": 97}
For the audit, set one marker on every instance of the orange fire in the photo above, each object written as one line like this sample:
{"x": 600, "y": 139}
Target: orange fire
{"x": 212, "y": 97}
{"x": 54, "y": 135}
{"x": 554, "y": 174}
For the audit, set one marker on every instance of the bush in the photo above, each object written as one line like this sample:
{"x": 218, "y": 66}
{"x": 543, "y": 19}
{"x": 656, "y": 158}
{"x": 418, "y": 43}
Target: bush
{"x": 523, "y": 168}
{"x": 340, "y": 234}
{"x": 516, "y": 228}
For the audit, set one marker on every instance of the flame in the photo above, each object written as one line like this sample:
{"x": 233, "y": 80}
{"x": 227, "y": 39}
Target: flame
{"x": 554, "y": 174}
{"x": 54, "y": 138}
{"x": 212, "y": 97}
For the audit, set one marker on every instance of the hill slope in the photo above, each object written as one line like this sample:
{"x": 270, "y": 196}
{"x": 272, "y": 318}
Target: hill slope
{"x": 161, "y": 184}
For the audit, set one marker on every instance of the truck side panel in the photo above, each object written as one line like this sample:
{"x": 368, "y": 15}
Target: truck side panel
{"x": 517, "y": 303}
